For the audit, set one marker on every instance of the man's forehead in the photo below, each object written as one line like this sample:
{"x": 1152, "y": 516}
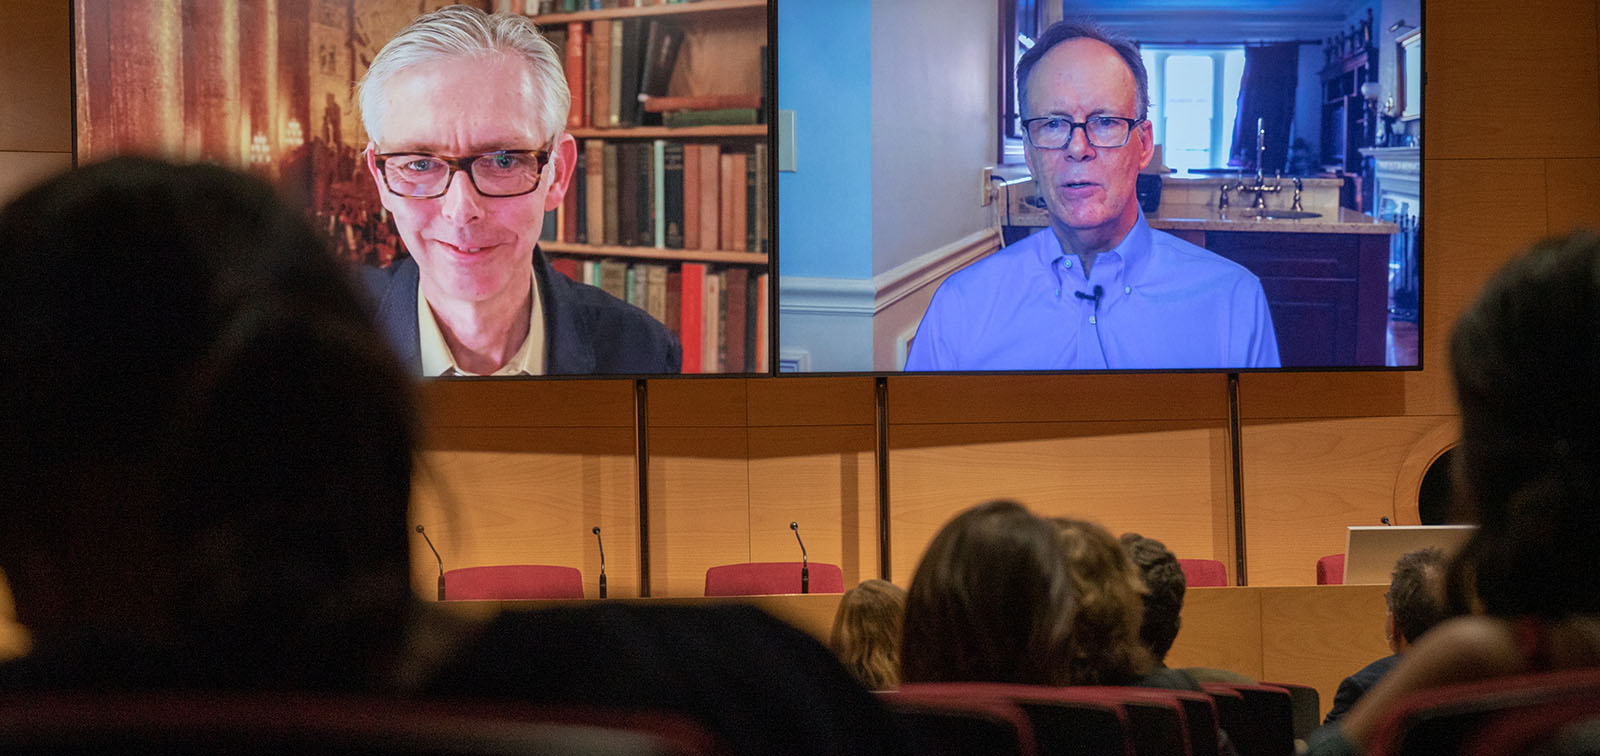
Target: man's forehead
{"x": 463, "y": 105}
{"x": 1082, "y": 74}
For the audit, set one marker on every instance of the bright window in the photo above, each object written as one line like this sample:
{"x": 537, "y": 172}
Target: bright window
{"x": 1194, "y": 98}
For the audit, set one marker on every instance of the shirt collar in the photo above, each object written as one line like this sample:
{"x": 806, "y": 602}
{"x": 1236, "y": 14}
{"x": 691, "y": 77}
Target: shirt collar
{"x": 438, "y": 361}
{"x": 1134, "y": 250}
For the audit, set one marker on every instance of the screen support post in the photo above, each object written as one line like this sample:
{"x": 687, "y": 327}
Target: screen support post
{"x": 1236, "y": 460}
{"x": 641, "y": 456}
{"x": 881, "y": 457}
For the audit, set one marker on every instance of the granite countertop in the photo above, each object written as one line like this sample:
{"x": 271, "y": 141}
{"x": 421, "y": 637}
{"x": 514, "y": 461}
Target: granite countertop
{"x": 1206, "y": 218}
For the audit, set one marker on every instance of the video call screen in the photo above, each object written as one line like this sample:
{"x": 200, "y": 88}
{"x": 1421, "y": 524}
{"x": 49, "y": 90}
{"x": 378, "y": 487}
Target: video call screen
{"x": 1261, "y": 212}
{"x": 665, "y": 215}
{"x": 1254, "y": 205}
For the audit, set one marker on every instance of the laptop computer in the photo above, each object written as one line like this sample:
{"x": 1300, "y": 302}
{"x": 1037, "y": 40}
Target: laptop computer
{"x": 1370, "y": 551}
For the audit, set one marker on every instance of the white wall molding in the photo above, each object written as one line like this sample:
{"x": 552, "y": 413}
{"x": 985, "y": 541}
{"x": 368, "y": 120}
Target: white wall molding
{"x": 931, "y": 267}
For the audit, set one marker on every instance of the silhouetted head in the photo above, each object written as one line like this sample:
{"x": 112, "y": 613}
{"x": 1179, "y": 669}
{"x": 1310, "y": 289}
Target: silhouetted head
{"x": 1526, "y": 359}
{"x": 1165, "y": 584}
{"x": 1109, "y": 604}
{"x": 204, "y": 443}
{"x": 990, "y": 601}
{"x": 867, "y": 630}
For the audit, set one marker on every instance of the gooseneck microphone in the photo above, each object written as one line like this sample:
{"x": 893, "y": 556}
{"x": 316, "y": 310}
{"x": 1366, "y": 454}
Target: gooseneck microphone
{"x": 805, "y": 566}
{"x": 602, "y": 546}
{"x": 436, "y": 558}
{"x": 1385, "y": 520}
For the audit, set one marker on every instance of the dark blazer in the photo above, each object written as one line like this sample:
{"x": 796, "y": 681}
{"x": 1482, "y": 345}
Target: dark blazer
{"x": 1357, "y": 685}
{"x": 586, "y": 330}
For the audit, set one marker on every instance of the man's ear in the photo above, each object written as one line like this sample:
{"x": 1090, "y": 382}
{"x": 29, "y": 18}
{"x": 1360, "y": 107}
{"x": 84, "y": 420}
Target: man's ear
{"x": 563, "y": 163}
{"x": 1147, "y": 143}
{"x": 369, "y": 156}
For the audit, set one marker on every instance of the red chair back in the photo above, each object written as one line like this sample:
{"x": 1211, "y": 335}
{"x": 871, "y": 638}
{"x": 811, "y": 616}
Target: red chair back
{"x": 945, "y": 725}
{"x": 1448, "y": 720}
{"x": 245, "y": 724}
{"x": 1330, "y": 570}
{"x": 771, "y": 579}
{"x": 1204, "y": 573}
{"x": 1306, "y": 704}
{"x": 1259, "y": 718}
{"x": 1064, "y": 720}
{"x": 506, "y": 582}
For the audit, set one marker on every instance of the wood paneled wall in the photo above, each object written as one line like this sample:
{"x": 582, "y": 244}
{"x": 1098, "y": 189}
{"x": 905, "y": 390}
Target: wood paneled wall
{"x": 519, "y": 472}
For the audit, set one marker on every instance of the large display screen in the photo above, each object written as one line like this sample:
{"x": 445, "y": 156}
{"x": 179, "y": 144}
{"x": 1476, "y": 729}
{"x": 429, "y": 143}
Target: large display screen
{"x": 646, "y": 195}
{"x": 1170, "y": 186}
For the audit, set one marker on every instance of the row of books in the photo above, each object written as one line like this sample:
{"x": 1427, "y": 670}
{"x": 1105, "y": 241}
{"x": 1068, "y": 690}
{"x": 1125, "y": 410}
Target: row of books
{"x": 611, "y": 63}
{"x": 668, "y": 195}
{"x": 719, "y": 315}
{"x": 540, "y": 7}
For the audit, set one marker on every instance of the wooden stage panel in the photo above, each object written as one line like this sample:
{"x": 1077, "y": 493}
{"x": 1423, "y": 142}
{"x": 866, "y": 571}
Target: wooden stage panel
{"x": 823, "y": 478}
{"x": 1321, "y": 635}
{"x": 1222, "y": 629}
{"x": 699, "y": 505}
{"x": 527, "y": 496}
{"x": 1166, "y": 480}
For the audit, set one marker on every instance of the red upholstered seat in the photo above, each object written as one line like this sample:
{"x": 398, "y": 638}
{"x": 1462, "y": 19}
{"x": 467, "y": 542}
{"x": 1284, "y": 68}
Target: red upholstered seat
{"x": 1063, "y": 719}
{"x": 513, "y": 581}
{"x": 1330, "y": 570}
{"x": 771, "y": 578}
{"x": 941, "y": 723}
{"x": 1259, "y": 718}
{"x": 271, "y": 724}
{"x": 1459, "y": 718}
{"x": 1203, "y": 573}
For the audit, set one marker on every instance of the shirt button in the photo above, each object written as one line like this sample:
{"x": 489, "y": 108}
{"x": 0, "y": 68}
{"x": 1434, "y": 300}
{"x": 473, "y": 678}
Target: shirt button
{"x": 1127, "y": 290}
{"x": 1069, "y": 263}
{"x": 1092, "y": 321}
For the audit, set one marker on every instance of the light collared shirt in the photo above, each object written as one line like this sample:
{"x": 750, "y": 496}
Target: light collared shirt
{"x": 1163, "y": 304}
{"x": 438, "y": 361}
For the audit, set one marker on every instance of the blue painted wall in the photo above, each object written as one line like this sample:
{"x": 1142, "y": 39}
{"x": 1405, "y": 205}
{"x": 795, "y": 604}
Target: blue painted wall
{"x": 824, "y": 75}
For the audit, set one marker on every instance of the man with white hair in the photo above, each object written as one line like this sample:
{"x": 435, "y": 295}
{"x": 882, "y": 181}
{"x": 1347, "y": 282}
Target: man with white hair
{"x": 465, "y": 111}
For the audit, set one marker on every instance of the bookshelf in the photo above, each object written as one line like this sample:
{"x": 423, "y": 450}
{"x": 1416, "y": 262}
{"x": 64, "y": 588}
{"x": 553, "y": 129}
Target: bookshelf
{"x": 669, "y": 210}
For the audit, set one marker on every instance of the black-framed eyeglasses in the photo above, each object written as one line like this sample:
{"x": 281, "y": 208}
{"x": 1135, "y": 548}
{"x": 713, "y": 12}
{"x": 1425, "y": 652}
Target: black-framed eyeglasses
{"x": 502, "y": 173}
{"x": 1053, "y": 132}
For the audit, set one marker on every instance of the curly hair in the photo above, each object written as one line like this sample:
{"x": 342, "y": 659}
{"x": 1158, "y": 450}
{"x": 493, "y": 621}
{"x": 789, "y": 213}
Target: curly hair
{"x": 866, "y": 632}
{"x": 1163, "y": 600}
{"x": 1104, "y": 636}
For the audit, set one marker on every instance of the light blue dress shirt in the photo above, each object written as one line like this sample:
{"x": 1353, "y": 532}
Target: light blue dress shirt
{"x": 1164, "y": 304}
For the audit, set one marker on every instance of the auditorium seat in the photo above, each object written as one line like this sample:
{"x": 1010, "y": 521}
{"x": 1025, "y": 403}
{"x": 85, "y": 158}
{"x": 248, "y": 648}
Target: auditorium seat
{"x": 1259, "y": 718}
{"x": 1452, "y": 719}
{"x": 1306, "y": 703}
{"x": 939, "y": 724}
{"x": 1330, "y": 570}
{"x": 513, "y": 581}
{"x": 771, "y": 579}
{"x": 1064, "y": 720}
{"x": 251, "y": 724}
{"x": 1203, "y": 573}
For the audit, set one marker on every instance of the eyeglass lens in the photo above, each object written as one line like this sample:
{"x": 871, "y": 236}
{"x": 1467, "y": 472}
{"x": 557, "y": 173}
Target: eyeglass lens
{"x": 1054, "y": 133}
{"x": 494, "y": 174}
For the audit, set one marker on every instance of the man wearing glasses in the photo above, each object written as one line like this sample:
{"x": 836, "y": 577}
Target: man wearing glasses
{"x": 1099, "y": 288}
{"x": 466, "y": 113}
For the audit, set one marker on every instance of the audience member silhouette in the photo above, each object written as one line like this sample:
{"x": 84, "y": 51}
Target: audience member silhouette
{"x": 1415, "y": 603}
{"x": 205, "y": 450}
{"x": 206, "y": 456}
{"x": 991, "y": 601}
{"x": 1105, "y": 647}
{"x": 1526, "y": 360}
{"x": 867, "y": 630}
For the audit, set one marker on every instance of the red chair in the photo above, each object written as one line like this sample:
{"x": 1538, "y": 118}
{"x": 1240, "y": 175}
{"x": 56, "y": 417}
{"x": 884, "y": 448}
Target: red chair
{"x": 940, "y": 724}
{"x": 270, "y": 724}
{"x": 1259, "y": 718}
{"x": 1450, "y": 720}
{"x": 1306, "y": 703}
{"x": 1203, "y": 573}
{"x": 1064, "y": 720}
{"x": 1330, "y": 570}
{"x": 771, "y": 579}
{"x": 505, "y": 582}
{"x": 1541, "y": 730}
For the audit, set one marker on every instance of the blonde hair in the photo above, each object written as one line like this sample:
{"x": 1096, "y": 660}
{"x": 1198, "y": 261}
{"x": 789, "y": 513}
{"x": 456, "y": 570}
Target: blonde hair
{"x": 1104, "y": 634}
{"x": 866, "y": 633}
{"x": 464, "y": 31}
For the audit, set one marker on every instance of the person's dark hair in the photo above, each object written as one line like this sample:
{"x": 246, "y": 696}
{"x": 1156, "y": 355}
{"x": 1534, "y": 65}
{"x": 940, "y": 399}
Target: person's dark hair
{"x": 1064, "y": 31}
{"x": 867, "y": 630}
{"x": 1526, "y": 360}
{"x": 1108, "y": 592}
{"x": 1416, "y": 595}
{"x": 1164, "y": 585}
{"x": 991, "y": 601}
{"x": 199, "y": 410}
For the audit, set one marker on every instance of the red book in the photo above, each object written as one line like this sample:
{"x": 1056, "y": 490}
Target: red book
{"x": 691, "y": 196}
{"x": 600, "y": 105}
{"x": 710, "y": 191}
{"x": 762, "y": 344}
{"x": 566, "y": 266}
{"x": 736, "y": 202}
{"x": 733, "y": 292}
{"x": 691, "y": 308}
{"x": 577, "y": 37}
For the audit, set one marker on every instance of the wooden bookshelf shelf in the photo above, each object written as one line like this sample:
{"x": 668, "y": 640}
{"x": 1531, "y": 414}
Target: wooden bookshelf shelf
{"x": 675, "y": 9}
{"x": 654, "y": 253}
{"x": 662, "y": 132}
